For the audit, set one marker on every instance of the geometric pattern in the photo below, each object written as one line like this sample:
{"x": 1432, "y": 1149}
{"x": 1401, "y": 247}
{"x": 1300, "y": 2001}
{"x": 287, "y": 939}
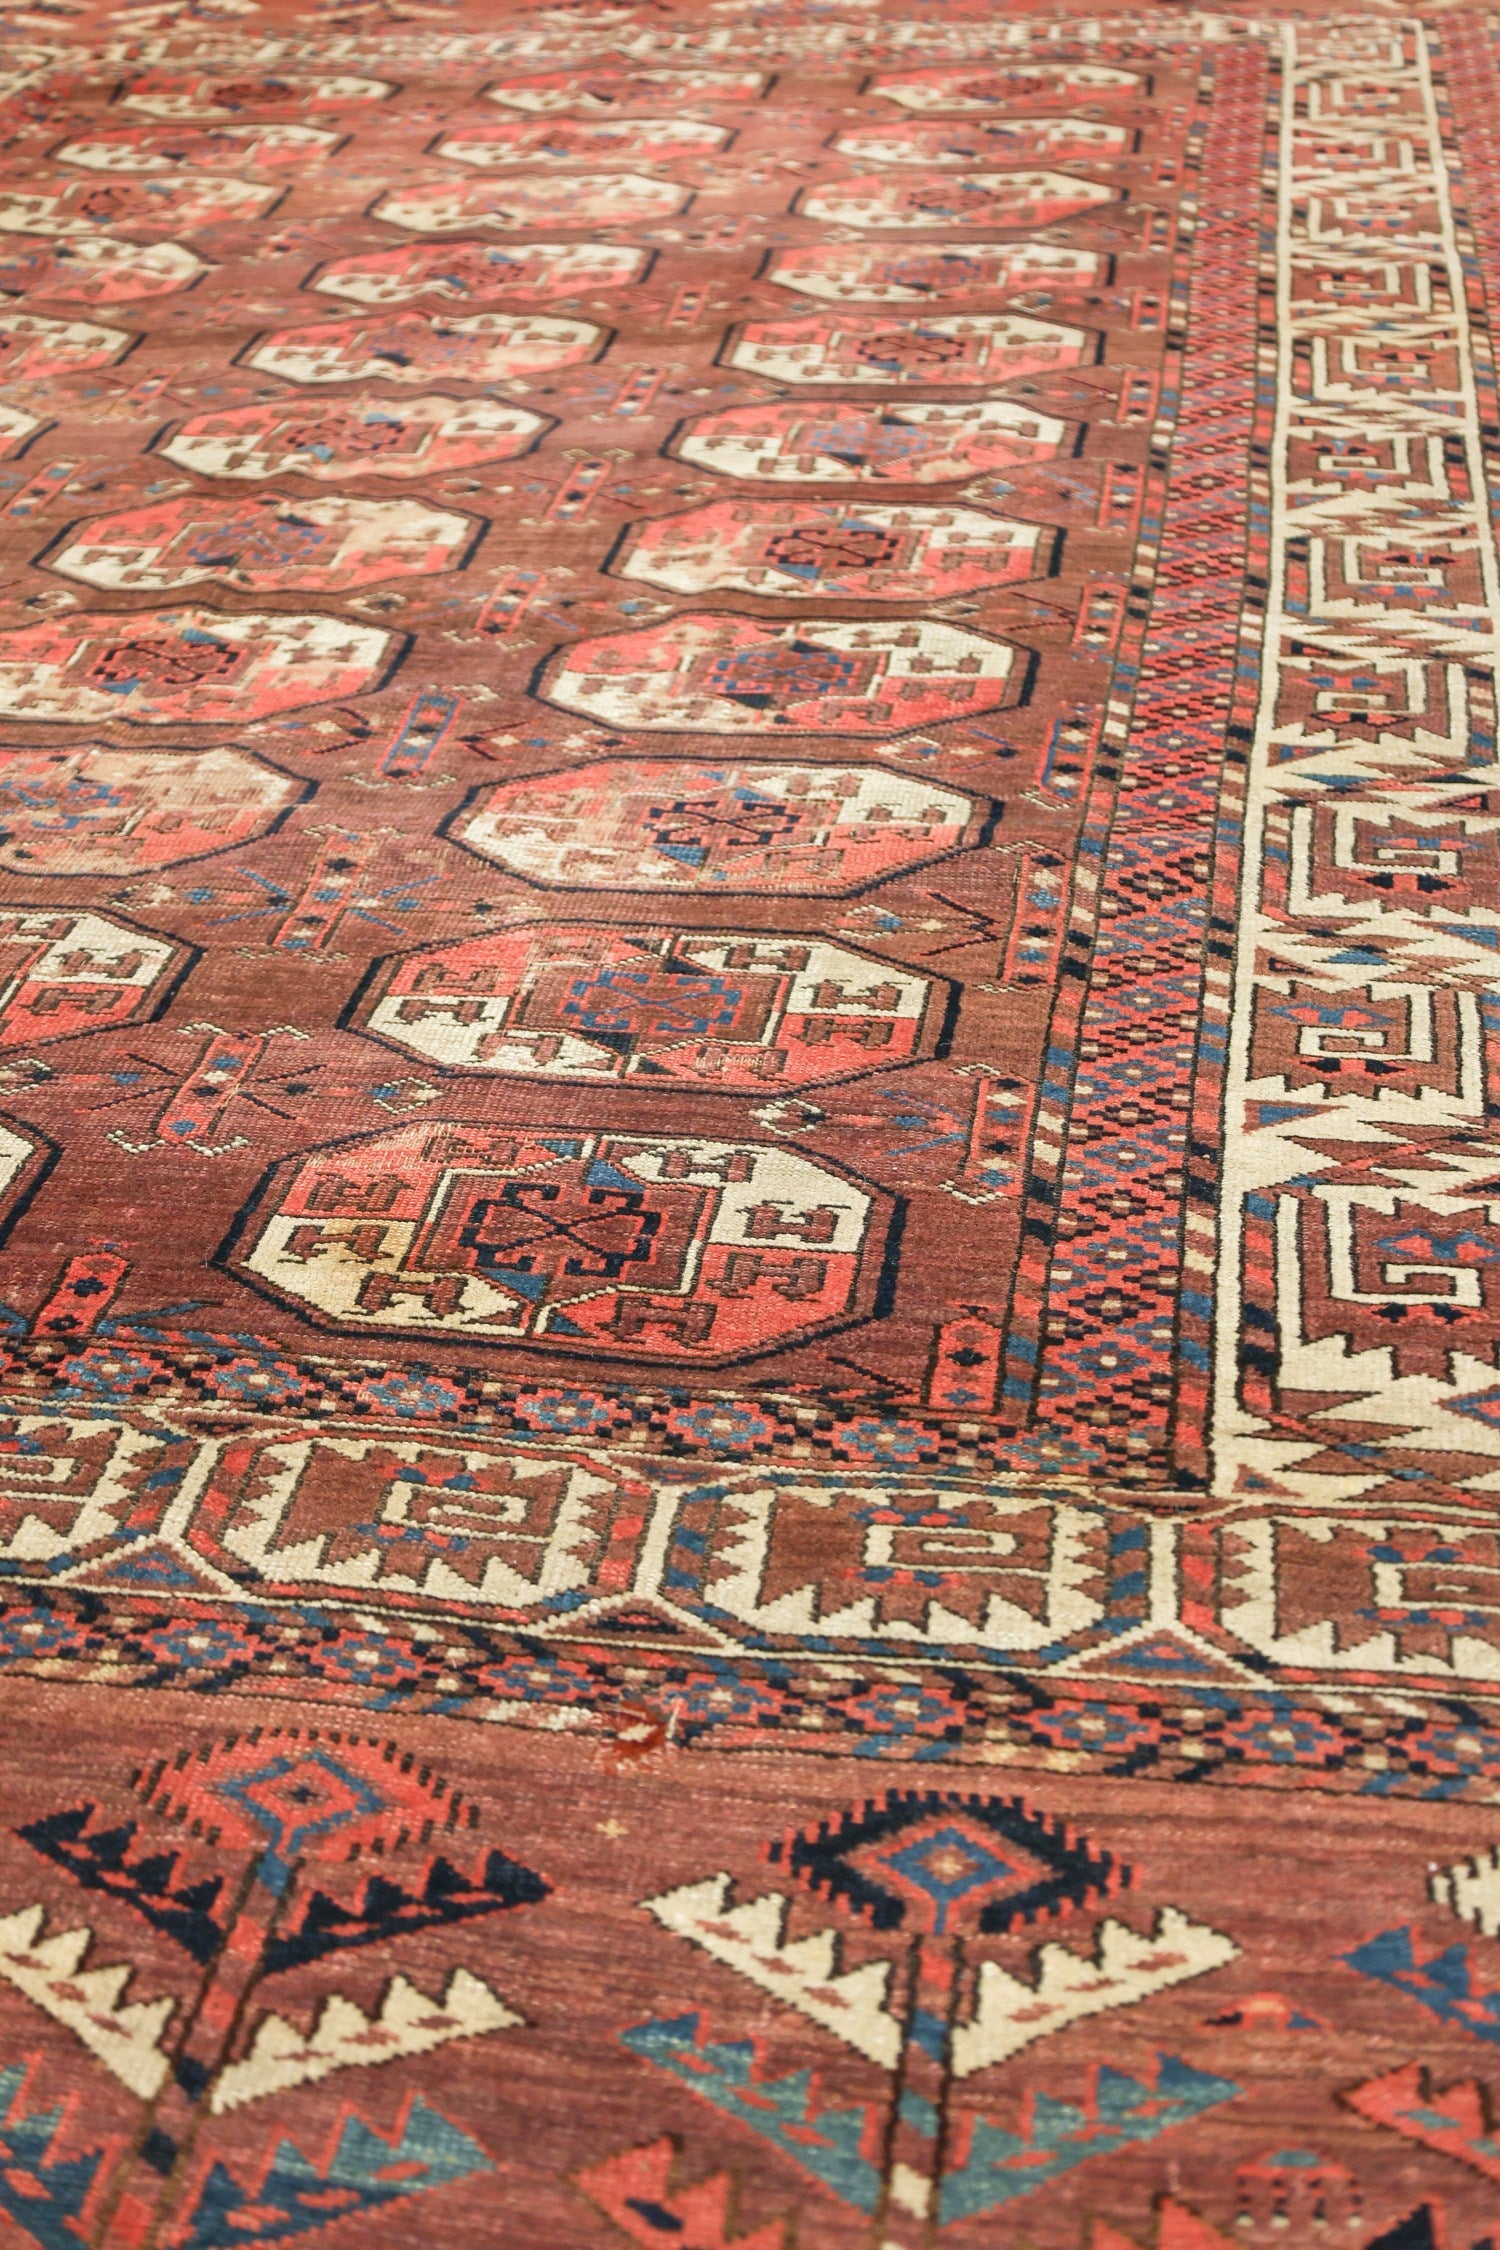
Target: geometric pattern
{"x": 910, "y": 442}
{"x": 967, "y": 91}
{"x": 720, "y": 1010}
{"x": 479, "y": 273}
{"x": 421, "y": 348}
{"x": 989, "y": 1861}
{"x": 592, "y": 92}
{"x": 583, "y": 199}
{"x": 937, "y": 199}
{"x": 866, "y": 274}
{"x": 70, "y": 972}
{"x": 967, "y": 348}
{"x": 751, "y": 853}
{"x": 94, "y": 269}
{"x": 335, "y": 831}
{"x": 792, "y": 548}
{"x": 683, "y": 825}
{"x": 101, "y": 811}
{"x": 274, "y": 147}
{"x": 192, "y": 666}
{"x": 709, "y": 674}
{"x": 639, "y": 140}
{"x": 409, "y": 438}
{"x": 638, "y": 1248}
{"x": 262, "y": 545}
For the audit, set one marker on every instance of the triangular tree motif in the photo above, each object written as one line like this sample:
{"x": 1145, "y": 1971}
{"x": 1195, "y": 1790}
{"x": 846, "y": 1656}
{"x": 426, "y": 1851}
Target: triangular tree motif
{"x": 1177, "y": 2228}
{"x": 101, "y": 1861}
{"x": 44, "y": 2195}
{"x": 387, "y": 1911}
{"x": 804, "y": 1972}
{"x": 294, "y": 2194}
{"x": 1444, "y": 1983}
{"x": 830, "y": 2143}
{"x": 345, "y": 2038}
{"x": 989, "y": 2166}
{"x": 1457, "y": 2122}
{"x": 639, "y": 2190}
{"x": 125, "y": 2035}
{"x": 1010, "y": 2014}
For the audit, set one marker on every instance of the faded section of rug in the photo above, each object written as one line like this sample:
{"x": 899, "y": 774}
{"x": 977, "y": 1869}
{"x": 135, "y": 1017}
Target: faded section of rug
{"x": 749, "y": 1204}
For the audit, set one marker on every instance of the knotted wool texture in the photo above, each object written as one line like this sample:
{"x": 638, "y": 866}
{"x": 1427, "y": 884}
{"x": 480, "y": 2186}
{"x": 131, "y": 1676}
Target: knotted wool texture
{"x": 749, "y": 1196}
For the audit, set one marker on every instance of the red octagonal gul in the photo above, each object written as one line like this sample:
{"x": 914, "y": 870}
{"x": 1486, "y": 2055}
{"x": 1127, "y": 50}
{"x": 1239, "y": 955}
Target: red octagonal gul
{"x": 901, "y": 273}
{"x": 878, "y": 348}
{"x": 203, "y": 148}
{"x": 408, "y": 347}
{"x": 103, "y": 811}
{"x": 32, "y": 348}
{"x": 603, "y": 199}
{"x": 709, "y": 672}
{"x": 727, "y": 1011}
{"x": 264, "y": 544}
{"x": 198, "y": 667}
{"x": 145, "y": 206}
{"x": 943, "y": 199}
{"x": 1067, "y": 139}
{"x": 626, "y": 1245}
{"x": 854, "y": 441}
{"x": 569, "y": 140}
{"x": 610, "y": 93}
{"x": 66, "y": 970}
{"x": 479, "y": 272}
{"x": 327, "y": 439}
{"x": 844, "y": 550}
{"x": 717, "y": 826}
{"x": 180, "y": 93}
{"x": 967, "y": 91}
{"x": 97, "y": 269}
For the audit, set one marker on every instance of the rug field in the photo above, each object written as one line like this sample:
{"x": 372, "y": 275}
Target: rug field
{"x": 749, "y": 1183}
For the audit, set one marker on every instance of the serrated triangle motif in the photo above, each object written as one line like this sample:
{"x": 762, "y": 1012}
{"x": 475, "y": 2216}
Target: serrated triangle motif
{"x": 125, "y": 2035}
{"x": 1125, "y": 1968}
{"x": 804, "y": 1972}
{"x": 345, "y": 2038}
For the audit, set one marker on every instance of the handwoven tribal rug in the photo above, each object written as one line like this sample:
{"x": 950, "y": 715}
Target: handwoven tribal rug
{"x": 750, "y": 897}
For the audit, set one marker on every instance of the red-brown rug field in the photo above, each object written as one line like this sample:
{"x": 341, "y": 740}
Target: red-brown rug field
{"x": 749, "y": 1170}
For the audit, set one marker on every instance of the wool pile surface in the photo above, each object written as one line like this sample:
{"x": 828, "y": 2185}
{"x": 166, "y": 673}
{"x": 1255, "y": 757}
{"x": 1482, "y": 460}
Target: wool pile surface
{"x": 750, "y": 909}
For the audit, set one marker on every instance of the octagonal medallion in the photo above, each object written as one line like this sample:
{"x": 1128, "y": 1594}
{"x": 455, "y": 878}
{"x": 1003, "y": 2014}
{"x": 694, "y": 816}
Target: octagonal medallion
{"x": 856, "y": 441}
{"x": 408, "y": 347}
{"x": 358, "y": 437}
{"x": 199, "y": 667}
{"x": 479, "y": 273}
{"x": 869, "y": 273}
{"x": 67, "y": 970}
{"x": 843, "y": 550}
{"x": 945, "y": 199}
{"x": 710, "y": 672}
{"x": 717, "y": 825}
{"x": 727, "y": 1011}
{"x": 104, "y": 811}
{"x": 943, "y": 348}
{"x": 598, "y": 199}
{"x": 263, "y": 545}
{"x": 622, "y": 1245}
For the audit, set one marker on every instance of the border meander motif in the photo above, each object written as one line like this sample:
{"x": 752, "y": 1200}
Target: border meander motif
{"x": 1357, "y": 1200}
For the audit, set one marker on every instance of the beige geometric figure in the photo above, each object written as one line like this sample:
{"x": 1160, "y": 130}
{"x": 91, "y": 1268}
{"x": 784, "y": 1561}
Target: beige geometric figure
{"x": 126, "y": 2037}
{"x": 345, "y": 2038}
